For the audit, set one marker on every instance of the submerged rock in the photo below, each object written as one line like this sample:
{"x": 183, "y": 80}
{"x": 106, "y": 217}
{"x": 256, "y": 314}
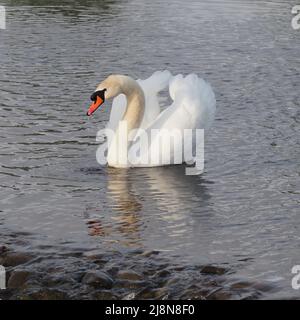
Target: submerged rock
{"x": 129, "y": 275}
{"x": 104, "y": 295}
{"x": 241, "y": 285}
{"x": 150, "y": 293}
{"x": 219, "y": 294}
{"x": 149, "y": 253}
{"x": 45, "y": 294}
{"x": 18, "y": 278}
{"x": 131, "y": 285}
{"x": 214, "y": 270}
{"x": 3, "y": 249}
{"x": 14, "y": 259}
{"x": 98, "y": 279}
{"x": 95, "y": 255}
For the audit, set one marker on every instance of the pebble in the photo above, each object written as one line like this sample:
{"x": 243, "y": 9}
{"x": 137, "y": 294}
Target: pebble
{"x": 241, "y": 285}
{"x": 151, "y": 294}
{"x": 14, "y": 259}
{"x": 18, "y": 278}
{"x": 45, "y": 294}
{"x": 129, "y": 275}
{"x": 94, "y": 255}
{"x": 98, "y": 279}
{"x": 3, "y": 249}
{"x": 149, "y": 253}
{"x": 132, "y": 285}
{"x": 213, "y": 270}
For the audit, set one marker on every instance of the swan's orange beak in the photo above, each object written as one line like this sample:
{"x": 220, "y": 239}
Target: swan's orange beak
{"x": 95, "y": 105}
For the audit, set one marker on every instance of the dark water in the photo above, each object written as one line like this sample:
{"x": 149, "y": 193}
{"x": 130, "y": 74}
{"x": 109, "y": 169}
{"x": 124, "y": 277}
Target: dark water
{"x": 58, "y": 205}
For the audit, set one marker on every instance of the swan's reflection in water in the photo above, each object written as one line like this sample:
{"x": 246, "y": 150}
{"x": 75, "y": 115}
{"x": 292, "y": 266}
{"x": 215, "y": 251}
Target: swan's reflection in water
{"x": 157, "y": 207}
{"x": 126, "y": 203}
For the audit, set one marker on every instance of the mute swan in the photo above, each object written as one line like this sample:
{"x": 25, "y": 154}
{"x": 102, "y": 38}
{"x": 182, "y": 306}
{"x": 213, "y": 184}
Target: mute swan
{"x": 136, "y": 105}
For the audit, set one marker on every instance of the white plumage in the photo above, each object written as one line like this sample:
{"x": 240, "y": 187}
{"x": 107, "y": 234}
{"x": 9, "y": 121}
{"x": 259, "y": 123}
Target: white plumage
{"x": 193, "y": 107}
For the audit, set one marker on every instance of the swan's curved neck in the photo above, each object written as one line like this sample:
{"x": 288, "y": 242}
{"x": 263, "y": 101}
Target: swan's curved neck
{"x": 135, "y": 103}
{"x": 133, "y": 116}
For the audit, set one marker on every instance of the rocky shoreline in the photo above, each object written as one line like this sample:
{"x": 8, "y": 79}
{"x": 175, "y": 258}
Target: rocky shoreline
{"x": 137, "y": 274}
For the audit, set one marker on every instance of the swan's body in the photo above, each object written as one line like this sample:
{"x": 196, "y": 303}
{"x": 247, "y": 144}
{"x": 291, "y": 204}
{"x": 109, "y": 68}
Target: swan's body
{"x": 136, "y": 104}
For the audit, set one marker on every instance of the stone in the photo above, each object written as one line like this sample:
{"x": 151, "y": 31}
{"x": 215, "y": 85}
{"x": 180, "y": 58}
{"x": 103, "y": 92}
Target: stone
{"x": 14, "y": 259}
{"x": 45, "y": 294}
{"x": 97, "y": 279}
{"x": 94, "y": 255}
{"x": 3, "y": 249}
{"x": 18, "y": 278}
{"x": 213, "y": 270}
{"x": 129, "y": 275}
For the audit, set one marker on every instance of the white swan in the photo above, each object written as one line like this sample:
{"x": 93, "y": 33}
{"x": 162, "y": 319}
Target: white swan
{"x": 136, "y": 104}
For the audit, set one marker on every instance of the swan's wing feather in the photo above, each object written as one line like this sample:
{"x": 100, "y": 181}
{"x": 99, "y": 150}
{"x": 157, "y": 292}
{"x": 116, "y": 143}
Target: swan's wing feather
{"x": 197, "y": 97}
{"x": 151, "y": 87}
{"x": 193, "y": 107}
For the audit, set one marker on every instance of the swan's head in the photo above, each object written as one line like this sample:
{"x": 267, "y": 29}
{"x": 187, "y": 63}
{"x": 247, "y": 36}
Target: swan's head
{"x": 107, "y": 89}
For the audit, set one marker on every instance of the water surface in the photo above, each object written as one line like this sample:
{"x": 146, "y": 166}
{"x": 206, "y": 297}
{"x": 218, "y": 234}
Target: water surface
{"x": 241, "y": 214}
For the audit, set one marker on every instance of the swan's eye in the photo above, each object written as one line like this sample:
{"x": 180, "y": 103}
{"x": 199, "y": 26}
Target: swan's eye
{"x": 99, "y": 93}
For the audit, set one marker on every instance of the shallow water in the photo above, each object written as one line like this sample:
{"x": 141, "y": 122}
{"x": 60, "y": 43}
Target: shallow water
{"x": 58, "y": 204}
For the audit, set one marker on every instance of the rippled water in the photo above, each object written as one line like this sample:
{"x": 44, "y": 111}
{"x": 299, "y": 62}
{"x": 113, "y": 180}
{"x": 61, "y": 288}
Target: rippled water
{"x": 242, "y": 213}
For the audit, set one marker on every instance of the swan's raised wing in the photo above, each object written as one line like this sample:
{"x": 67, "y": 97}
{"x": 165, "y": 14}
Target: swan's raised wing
{"x": 193, "y": 107}
{"x": 151, "y": 87}
{"x": 196, "y": 97}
